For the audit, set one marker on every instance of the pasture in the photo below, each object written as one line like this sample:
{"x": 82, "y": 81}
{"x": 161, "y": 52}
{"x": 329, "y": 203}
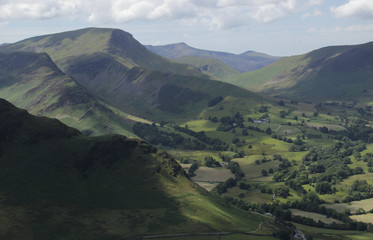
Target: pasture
{"x": 367, "y": 218}
{"x": 366, "y": 205}
{"x": 207, "y": 174}
{"x": 315, "y": 216}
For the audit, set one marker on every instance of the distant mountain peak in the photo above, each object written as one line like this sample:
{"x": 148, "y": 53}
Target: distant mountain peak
{"x": 245, "y": 62}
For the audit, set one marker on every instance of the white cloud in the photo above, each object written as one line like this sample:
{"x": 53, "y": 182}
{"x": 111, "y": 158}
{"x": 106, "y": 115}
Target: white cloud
{"x": 315, "y": 13}
{"x": 212, "y": 13}
{"x": 26, "y": 9}
{"x": 362, "y": 9}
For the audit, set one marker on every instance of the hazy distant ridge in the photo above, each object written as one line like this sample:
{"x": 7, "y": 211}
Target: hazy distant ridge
{"x": 245, "y": 62}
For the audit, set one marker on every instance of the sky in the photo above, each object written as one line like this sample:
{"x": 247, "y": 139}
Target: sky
{"x": 275, "y": 27}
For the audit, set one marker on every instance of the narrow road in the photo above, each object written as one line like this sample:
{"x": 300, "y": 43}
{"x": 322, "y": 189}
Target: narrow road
{"x": 279, "y": 127}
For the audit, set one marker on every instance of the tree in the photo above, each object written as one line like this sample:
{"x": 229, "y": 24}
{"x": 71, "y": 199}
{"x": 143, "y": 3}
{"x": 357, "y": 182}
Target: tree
{"x": 193, "y": 168}
{"x": 244, "y": 132}
{"x": 264, "y": 172}
{"x": 323, "y": 187}
{"x": 269, "y": 131}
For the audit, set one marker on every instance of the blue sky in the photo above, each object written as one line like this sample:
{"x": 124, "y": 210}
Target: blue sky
{"x": 276, "y": 27}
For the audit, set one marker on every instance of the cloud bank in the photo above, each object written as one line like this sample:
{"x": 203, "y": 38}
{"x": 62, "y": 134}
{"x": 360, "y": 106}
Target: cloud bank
{"x": 361, "y": 9}
{"x": 212, "y": 13}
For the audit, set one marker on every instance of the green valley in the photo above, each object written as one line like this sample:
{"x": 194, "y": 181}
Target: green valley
{"x": 283, "y": 152}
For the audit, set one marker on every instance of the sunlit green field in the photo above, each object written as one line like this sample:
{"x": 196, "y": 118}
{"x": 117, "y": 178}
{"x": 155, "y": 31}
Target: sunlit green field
{"x": 366, "y": 205}
{"x": 315, "y": 216}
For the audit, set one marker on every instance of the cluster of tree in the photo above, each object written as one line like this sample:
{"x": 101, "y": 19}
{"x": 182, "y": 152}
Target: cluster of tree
{"x": 263, "y": 109}
{"x": 153, "y": 135}
{"x": 236, "y": 170}
{"x": 328, "y": 166}
{"x": 358, "y": 132}
{"x": 360, "y": 189}
{"x": 285, "y": 139}
{"x": 281, "y": 191}
{"x": 283, "y": 114}
{"x": 228, "y": 123}
{"x": 283, "y": 172}
{"x": 192, "y": 169}
{"x": 299, "y": 145}
{"x": 255, "y": 128}
{"x": 225, "y": 158}
{"x": 211, "y": 162}
{"x": 231, "y": 182}
{"x": 216, "y": 144}
{"x": 223, "y": 187}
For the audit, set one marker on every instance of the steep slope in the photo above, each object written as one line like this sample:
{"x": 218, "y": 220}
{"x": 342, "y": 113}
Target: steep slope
{"x": 211, "y": 66}
{"x": 338, "y": 72}
{"x": 32, "y": 81}
{"x": 103, "y": 45}
{"x": 58, "y": 184}
{"x": 119, "y": 70}
{"x": 245, "y": 62}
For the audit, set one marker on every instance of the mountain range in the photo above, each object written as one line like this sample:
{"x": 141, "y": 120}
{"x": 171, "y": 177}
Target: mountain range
{"x": 118, "y": 70}
{"x": 245, "y": 62}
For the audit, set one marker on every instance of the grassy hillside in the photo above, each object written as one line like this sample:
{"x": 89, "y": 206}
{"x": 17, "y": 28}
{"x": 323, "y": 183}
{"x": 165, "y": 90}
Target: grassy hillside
{"x": 214, "y": 67}
{"x": 113, "y": 45}
{"x": 341, "y": 72}
{"x": 118, "y": 69}
{"x": 245, "y": 62}
{"x": 33, "y": 82}
{"x": 57, "y": 183}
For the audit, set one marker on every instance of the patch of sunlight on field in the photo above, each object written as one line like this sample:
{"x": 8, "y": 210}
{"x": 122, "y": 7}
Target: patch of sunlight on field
{"x": 294, "y": 155}
{"x": 206, "y": 174}
{"x": 331, "y": 198}
{"x": 193, "y": 154}
{"x": 368, "y": 150}
{"x": 367, "y": 218}
{"x": 253, "y": 170}
{"x": 366, "y": 204}
{"x": 209, "y": 186}
{"x": 315, "y": 216}
{"x": 201, "y": 125}
{"x": 367, "y": 176}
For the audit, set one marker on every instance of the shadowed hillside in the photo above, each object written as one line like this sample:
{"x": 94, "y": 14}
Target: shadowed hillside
{"x": 32, "y": 81}
{"x": 57, "y": 183}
